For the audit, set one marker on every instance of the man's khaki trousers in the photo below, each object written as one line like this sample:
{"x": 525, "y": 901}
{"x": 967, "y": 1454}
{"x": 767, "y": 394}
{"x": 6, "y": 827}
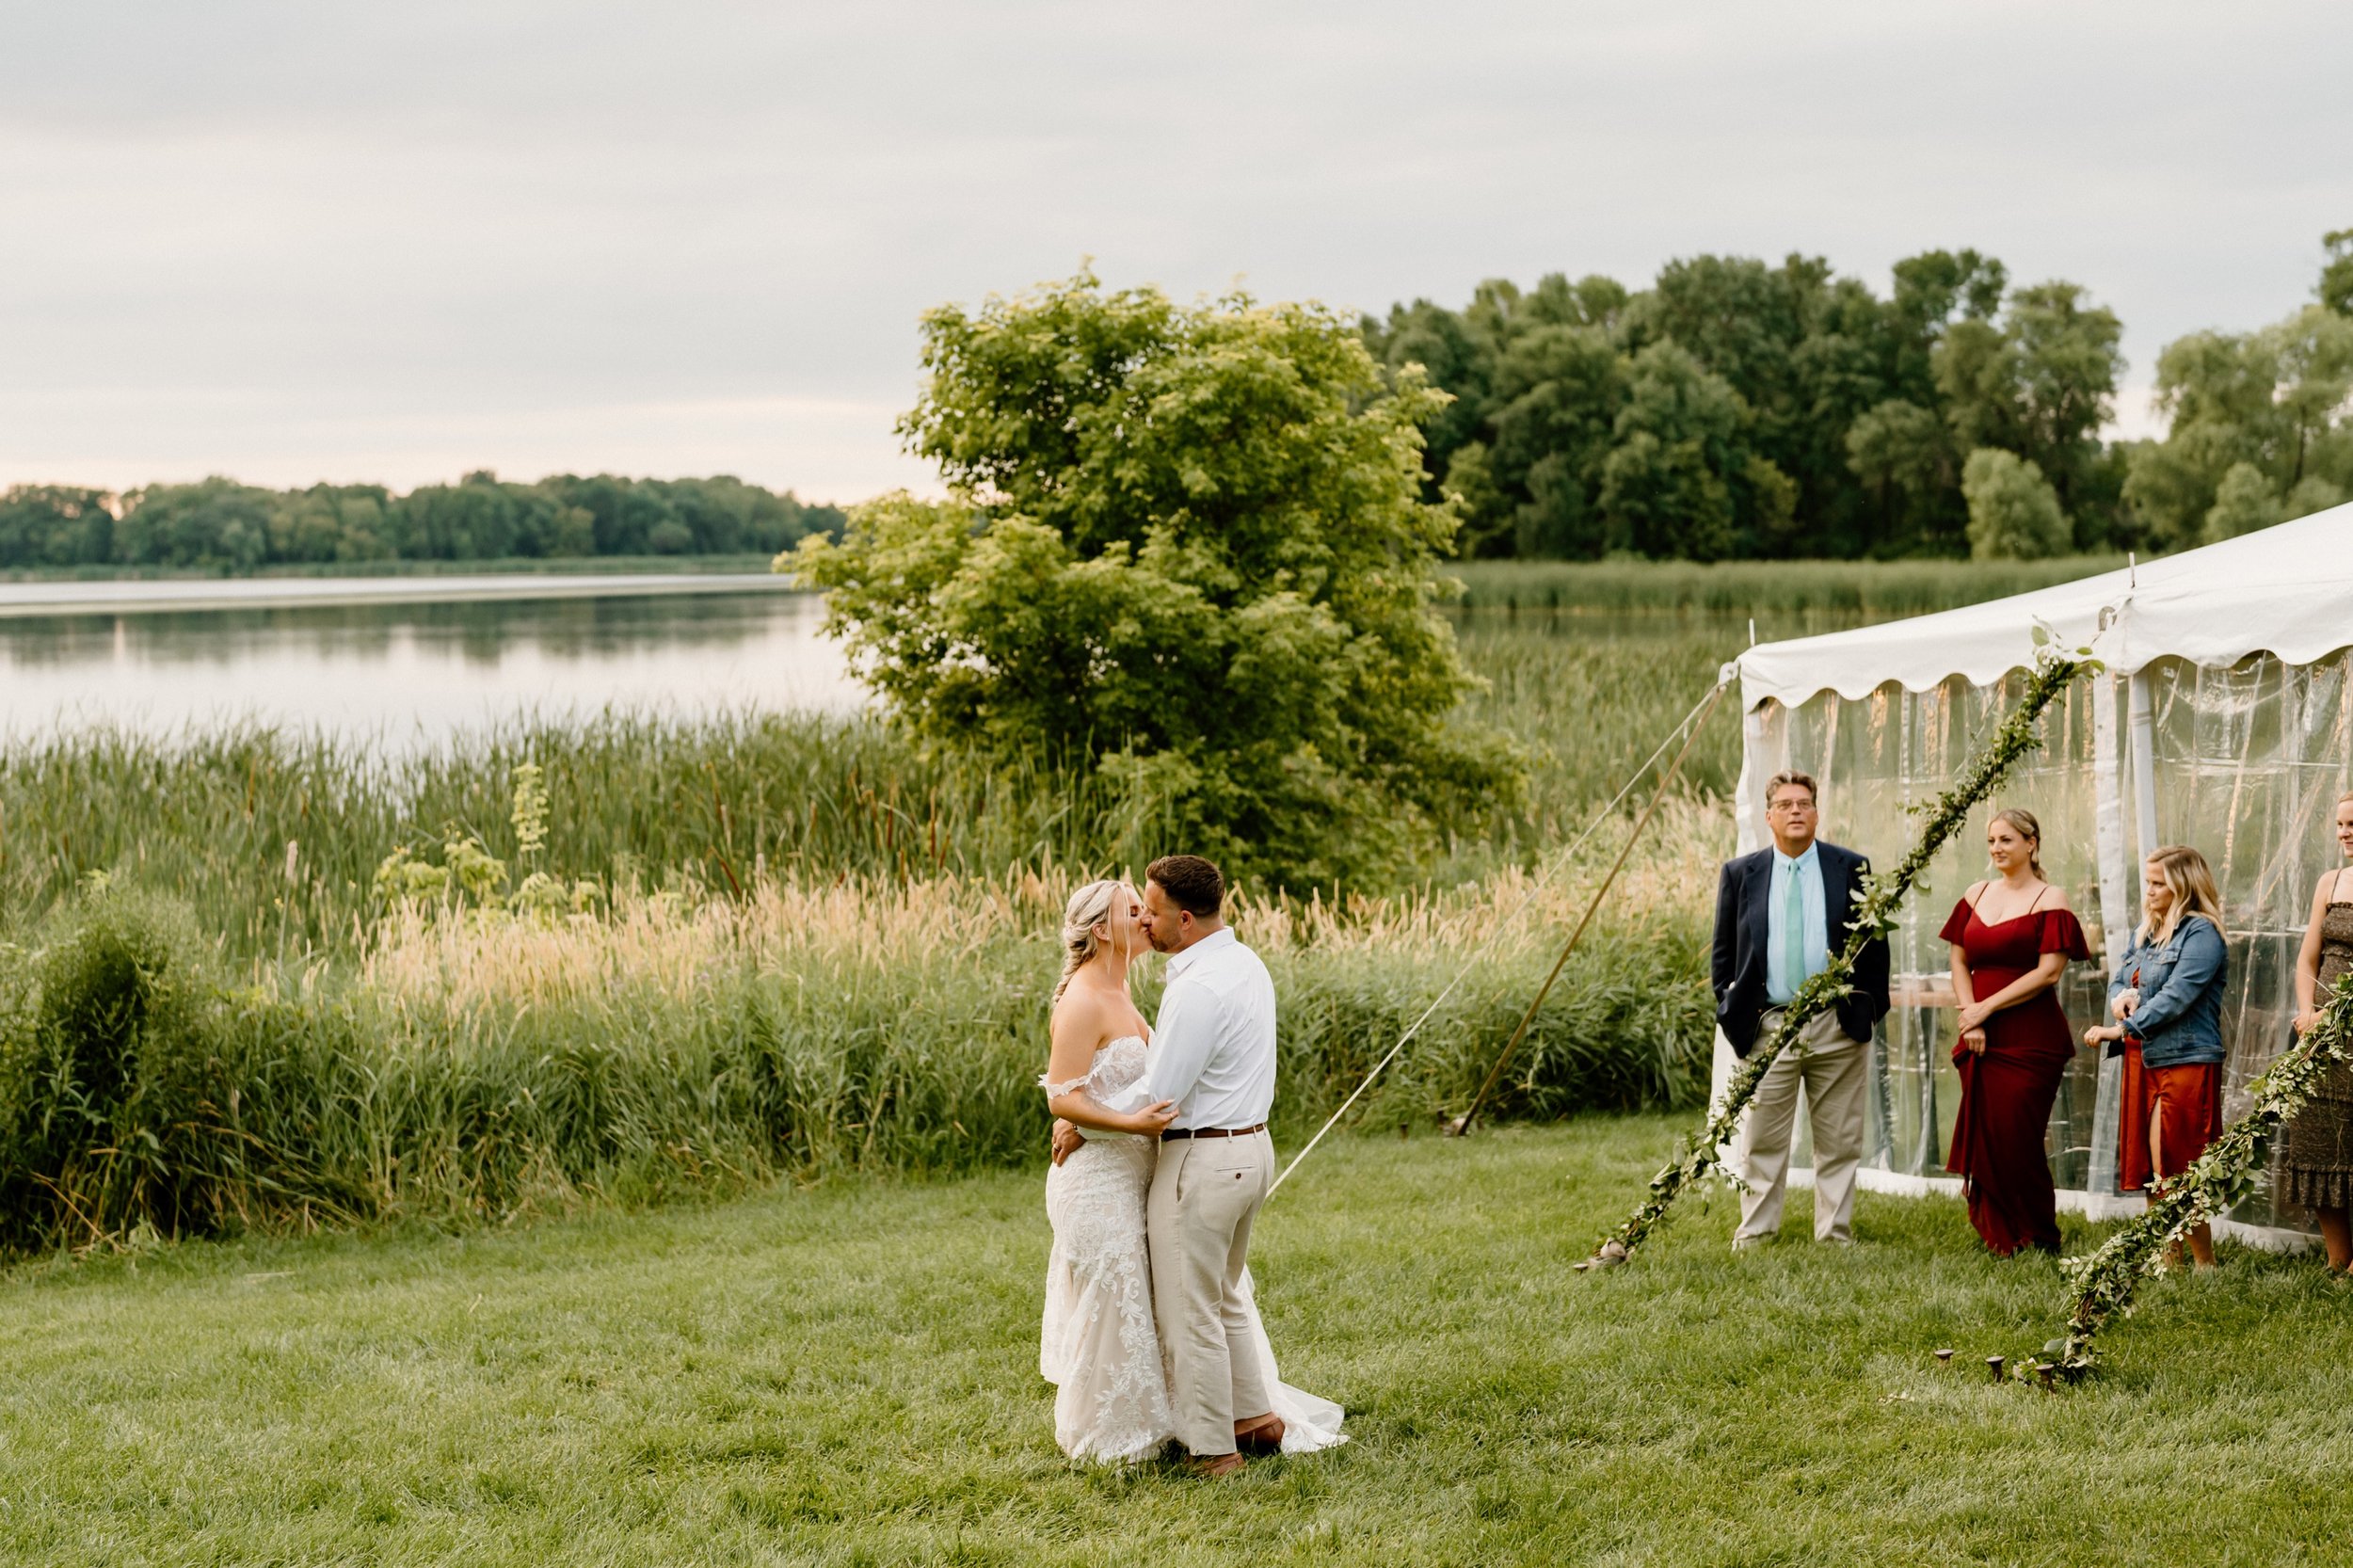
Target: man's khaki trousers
{"x": 1204, "y": 1191}
{"x": 1833, "y": 1070}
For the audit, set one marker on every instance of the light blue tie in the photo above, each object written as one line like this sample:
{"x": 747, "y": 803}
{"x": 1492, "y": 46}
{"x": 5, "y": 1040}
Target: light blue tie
{"x": 1792, "y": 934}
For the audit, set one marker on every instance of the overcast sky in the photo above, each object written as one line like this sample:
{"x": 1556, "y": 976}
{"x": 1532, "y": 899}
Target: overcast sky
{"x": 304, "y": 241}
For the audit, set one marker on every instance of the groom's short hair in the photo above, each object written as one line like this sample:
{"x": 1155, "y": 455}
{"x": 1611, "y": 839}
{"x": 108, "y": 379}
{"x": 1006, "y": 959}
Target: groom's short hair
{"x": 1196, "y": 884}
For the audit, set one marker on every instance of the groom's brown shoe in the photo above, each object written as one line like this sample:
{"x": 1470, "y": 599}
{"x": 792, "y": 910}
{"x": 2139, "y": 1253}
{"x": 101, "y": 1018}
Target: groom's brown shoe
{"x": 1264, "y": 1438}
{"x": 1214, "y": 1467}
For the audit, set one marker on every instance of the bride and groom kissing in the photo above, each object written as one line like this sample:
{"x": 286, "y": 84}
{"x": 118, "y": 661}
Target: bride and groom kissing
{"x": 1161, "y": 1160}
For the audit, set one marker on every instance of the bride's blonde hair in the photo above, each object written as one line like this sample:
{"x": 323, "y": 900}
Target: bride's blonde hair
{"x": 1089, "y": 908}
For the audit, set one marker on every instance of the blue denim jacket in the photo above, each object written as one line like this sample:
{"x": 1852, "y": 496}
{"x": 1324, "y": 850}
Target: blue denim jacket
{"x": 2179, "y": 1021}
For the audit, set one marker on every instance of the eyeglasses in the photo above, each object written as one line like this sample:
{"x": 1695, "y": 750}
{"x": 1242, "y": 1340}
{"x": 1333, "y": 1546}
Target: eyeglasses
{"x": 1790, "y": 806}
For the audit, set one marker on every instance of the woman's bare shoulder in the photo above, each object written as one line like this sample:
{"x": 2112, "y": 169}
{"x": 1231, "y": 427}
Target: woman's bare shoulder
{"x": 1081, "y": 1013}
{"x": 2056, "y": 898}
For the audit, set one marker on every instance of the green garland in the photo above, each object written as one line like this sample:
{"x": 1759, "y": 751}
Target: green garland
{"x": 2104, "y": 1282}
{"x": 1875, "y": 915}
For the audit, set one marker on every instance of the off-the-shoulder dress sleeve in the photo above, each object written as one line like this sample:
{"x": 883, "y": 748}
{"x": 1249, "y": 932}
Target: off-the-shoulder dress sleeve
{"x": 1956, "y": 924}
{"x": 2060, "y": 934}
{"x": 1054, "y": 1089}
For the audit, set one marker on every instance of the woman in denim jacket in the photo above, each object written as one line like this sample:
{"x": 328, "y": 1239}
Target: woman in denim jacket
{"x": 2166, "y": 999}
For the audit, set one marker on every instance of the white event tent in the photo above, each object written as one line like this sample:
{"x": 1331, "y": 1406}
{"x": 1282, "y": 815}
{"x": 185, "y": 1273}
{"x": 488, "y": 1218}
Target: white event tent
{"x": 2224, "y": 720}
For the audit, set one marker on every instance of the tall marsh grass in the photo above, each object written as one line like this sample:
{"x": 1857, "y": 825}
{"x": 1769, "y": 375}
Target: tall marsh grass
{"x": 473, "y": 1065}
{"x": 1873, "y": 590}
{"x": 814, "y": 948}
{"x": 275, "y": 837}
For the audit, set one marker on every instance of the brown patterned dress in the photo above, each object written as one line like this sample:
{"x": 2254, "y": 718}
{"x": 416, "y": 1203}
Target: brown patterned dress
{"x": 2316, "y": 1156}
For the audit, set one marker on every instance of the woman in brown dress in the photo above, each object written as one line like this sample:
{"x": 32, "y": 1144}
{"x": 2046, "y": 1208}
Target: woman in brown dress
{"x": 2011, "y": 939}
{"x": 2316, "y": 1156}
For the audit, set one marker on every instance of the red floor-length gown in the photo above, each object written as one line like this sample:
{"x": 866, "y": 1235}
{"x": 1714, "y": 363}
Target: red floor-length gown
{"x": 2006, "y": 1094}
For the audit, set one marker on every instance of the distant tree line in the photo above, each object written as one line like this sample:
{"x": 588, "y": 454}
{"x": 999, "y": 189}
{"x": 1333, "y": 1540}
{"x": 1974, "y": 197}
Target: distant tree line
{"x": 218, "y": 524}
{"x": 1739, "y": 409}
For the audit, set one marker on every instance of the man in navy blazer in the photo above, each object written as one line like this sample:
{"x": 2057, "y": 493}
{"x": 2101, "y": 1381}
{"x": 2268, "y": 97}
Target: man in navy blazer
{"x": 1781, "y": 914}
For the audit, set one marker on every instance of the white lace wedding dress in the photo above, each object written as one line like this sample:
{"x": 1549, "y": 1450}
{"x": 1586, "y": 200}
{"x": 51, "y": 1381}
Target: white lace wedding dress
{"x": 1099, "y": 1347}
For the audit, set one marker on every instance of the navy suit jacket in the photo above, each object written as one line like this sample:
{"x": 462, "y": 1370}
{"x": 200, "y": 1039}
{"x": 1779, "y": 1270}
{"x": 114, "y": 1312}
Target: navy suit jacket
{"x": 1742, "y": 893}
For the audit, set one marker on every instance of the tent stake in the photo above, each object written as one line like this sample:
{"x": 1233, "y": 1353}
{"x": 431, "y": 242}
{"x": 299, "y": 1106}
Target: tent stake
{"x": 1461, "y": 1125}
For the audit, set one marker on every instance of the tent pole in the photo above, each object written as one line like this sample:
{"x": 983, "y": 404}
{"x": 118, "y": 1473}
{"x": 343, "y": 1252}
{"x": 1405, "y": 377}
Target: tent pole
{"x": 2144, "y": 763}
{"x": 2116, "y": 901}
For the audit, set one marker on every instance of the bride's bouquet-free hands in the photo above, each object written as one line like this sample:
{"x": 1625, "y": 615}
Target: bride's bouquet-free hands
{"x": 1146, "y": 1123}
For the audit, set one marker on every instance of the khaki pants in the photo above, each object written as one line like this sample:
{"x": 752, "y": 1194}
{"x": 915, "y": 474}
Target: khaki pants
{"x": 1205, "y": 1192}
{"x": 1833, "y": 1068}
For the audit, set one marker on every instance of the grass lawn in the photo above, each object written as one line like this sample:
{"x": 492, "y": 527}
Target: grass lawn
{"x": 848, "y": 1374}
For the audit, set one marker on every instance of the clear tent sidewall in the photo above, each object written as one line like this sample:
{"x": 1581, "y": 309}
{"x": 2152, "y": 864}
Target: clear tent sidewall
{"x": 2243, "y": 757}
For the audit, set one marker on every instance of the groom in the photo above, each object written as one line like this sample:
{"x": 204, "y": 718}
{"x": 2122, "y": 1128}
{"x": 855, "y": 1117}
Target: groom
{"x": 1213, "y": 1054}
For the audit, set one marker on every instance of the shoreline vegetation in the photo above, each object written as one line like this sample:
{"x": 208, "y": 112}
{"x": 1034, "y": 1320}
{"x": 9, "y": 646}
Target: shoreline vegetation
{"x": 748, "y": 563}
{"x": 718, "y": 953}
{"x": 1866, "y": 588}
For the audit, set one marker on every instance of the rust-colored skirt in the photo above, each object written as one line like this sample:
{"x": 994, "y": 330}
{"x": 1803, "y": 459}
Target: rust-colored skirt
{"x": 2186, "y": 1102}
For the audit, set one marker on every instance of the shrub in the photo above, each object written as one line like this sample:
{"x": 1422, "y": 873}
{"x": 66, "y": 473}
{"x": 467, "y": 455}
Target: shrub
{"x": 114, "y": 1075}
{"x": 2013, "y": 512}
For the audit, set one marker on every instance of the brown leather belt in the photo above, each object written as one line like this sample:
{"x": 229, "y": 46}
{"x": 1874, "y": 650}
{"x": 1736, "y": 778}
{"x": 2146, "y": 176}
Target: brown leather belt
{"x": 1170, "y": 1134}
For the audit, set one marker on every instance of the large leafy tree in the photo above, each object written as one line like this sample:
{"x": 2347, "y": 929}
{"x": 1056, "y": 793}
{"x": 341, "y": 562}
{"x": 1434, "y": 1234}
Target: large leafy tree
{"x": 2040, "y": 383}
{"x": 2260, "y": 429}
{"x": 1805, "y": 415}
{"x": 2261, "y": 423}
{"x": 1184, "y": 546}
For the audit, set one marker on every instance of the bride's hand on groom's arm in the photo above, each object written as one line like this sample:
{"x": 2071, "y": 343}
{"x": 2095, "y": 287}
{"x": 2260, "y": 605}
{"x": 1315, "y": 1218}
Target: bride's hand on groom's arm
{"x": 1153, "y": 1117}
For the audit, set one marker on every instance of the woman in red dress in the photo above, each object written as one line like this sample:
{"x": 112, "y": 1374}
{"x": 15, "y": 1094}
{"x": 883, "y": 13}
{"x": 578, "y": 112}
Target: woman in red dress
{"x": 2012, "y": 938}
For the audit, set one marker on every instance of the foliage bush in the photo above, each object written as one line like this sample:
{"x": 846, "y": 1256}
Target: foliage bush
{"x": 112, "y": 1050}
{"x": 2014, "y": 513}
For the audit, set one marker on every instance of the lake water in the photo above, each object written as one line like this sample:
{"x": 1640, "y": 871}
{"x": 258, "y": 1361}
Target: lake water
{"x": 405, "y": 661}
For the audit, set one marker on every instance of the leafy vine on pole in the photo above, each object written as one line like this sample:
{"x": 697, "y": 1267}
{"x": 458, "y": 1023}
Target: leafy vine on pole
{"x": 1875, "y": 915}
{"x": 2106, "y": 1281}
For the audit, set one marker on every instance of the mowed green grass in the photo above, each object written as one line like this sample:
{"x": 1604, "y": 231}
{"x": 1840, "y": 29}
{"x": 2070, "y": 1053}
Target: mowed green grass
{"x": 848, "y": 1374}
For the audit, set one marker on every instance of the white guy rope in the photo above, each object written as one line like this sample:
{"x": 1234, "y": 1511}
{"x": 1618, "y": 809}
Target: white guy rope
{"x": 1527, "y": 901}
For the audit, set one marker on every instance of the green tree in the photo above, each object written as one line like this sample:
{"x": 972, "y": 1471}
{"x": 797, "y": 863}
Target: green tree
{"x": 1904, "y": 453}
{"x": 1830, "y": 456}
{"x": 2243, "y": 502}
{"x": 2039, "y": 384}
{"x": 2274, "y": 400}
{"x": 55, "y": 525}
{"x": 1668, "y": 487}
{"x": 2336, "y": 273}
{"x": 2014, "y": 513}
{"x": 1557, "y": 394}
{"x": 1186, "y": 547}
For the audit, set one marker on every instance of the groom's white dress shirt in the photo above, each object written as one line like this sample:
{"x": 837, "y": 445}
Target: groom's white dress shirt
{"x": 1214, "y": 1054}
{"x": 1213, "y": 1045}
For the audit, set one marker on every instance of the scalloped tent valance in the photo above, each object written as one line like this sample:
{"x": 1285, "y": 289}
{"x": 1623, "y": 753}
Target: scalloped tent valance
{"x": 2286, "y": 590}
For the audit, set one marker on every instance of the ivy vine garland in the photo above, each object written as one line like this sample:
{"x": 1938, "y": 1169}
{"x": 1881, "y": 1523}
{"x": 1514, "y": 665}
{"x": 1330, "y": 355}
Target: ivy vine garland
{"x": 2106, "y": 1281}
{"x": 1875, "y": 915}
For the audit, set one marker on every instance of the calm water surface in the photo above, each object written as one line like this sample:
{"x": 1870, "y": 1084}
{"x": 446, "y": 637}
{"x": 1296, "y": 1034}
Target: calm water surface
{"x": 384, "y": 664}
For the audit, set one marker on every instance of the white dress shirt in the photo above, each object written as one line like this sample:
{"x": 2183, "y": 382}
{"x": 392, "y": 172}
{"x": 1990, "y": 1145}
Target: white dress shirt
{"x": 1213, "y": 1048}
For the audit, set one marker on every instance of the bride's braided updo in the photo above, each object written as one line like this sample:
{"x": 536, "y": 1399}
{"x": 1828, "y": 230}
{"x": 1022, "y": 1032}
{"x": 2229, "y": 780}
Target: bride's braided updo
{"x": 1082, "y": 917}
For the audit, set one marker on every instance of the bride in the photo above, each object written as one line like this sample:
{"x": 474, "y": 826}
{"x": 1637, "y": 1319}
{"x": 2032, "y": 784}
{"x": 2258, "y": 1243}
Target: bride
{"x": 1100, "y": 1347}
